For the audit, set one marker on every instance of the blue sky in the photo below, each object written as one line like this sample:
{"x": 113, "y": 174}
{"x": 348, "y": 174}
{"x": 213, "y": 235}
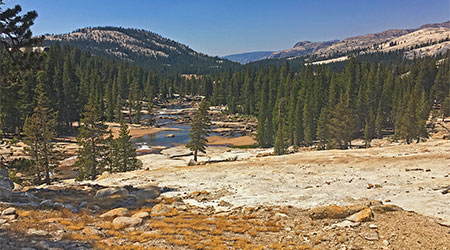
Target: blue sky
{"x": 233, "y": 26}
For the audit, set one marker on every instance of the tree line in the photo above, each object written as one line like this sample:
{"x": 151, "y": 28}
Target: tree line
{"x": 319, "y": 105}
{"x": 70, "y": 76}
{"x": 310, "y": 103}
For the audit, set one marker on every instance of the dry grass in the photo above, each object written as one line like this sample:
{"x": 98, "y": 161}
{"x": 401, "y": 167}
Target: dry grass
{"x": 178, "y": 229}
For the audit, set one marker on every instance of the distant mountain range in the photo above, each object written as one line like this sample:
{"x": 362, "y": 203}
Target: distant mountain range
{"x": 141, "y": 47}
{"x": 153, "y": 51}
{"x": 429, "y": 39}
{"x": 244, "y": 58}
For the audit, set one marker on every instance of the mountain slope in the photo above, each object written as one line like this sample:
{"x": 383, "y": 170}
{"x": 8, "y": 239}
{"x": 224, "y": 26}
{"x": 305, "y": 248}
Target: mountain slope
{"x": 427, "y": 40}
{"x": 141, "y": 47}
{"x": 244, "y": 58}
{"x": 302, "y": 49}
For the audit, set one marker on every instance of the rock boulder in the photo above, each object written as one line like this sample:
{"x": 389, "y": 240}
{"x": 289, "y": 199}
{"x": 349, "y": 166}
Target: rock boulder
{"x": 123, "y": 222}
{"x": 362, "y": 216}
{"x": 330, "y": 212}
{"x": 149, "y": 193}
{"x": 118, "y": 212}
{"x": 113, "y": 191}
{"x": 9, "y": 211}
{"x": 161, "y": 210}
{"x": 141, "y": 215}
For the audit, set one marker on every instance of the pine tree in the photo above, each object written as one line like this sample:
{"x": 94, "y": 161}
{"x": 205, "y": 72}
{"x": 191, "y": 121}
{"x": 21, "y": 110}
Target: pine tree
{"x": 406, "y": 119}
{"x": 308, "y": 121}
{"x": 40, "y": 132}
{"x": 70, "y": 110}
{"x": 446, "y": 106}
{"x": 200, "y": 127}
{"x": 368, "y": 132}
{"x": 92, "y": 144}
{"x": 264, "y": 132}
{"x": 150, "y": 112}
{"x": 111, "y": 153}
{"x": 138, "y": 112}
{"x": 126, "y": 153}
{"x": 15, "y": 34}
{"x": 342, "y": 126}
{"x": 298, "y": 130}
{"x": 422, "y": 114}
{"x": 281, "y": 139}
{"x": 323, "y": 134}
{"x": 379, "y": 123}
{"x": 130, "y": 105}
{"x": 109, "y": 102}
{"x": 15, "y": 29}
{"x": 118, "y": 109}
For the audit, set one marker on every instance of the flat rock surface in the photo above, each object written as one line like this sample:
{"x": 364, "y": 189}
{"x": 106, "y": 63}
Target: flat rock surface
{"x": 410, "y": 176}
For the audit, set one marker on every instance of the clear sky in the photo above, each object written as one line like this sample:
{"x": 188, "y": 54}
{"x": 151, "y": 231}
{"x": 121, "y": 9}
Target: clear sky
{"x": 233, "y": 26}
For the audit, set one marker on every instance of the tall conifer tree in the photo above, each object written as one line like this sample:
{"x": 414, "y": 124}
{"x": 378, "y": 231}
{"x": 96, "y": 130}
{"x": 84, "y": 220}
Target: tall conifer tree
{"x": 200, "y": 128}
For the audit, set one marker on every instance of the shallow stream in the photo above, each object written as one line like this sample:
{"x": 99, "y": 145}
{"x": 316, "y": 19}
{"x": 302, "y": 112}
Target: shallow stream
{"x": 181, "y": 135}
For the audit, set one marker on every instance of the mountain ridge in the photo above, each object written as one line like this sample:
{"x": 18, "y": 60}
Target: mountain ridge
{"x": 247, "y": 57}
{"x": 369, "y": 43}
{"x": 142, "y": 47}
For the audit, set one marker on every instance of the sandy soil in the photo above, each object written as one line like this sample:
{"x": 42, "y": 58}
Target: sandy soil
{"x": 235, "y": 141}
{"x": 137, "y": 131}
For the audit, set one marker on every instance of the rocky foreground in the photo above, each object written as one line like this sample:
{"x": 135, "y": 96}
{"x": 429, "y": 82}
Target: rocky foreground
{"x": 63, "y": 222}
{"x": 390, "y": 196}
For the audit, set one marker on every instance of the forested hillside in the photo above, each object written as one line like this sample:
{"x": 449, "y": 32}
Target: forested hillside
{"x": 142, "y": 48}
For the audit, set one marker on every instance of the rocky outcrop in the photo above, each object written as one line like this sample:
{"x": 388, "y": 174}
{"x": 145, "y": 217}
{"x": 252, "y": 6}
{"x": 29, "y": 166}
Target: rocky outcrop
{"x": 302, "y": 48}
{"x": 410, "y": 40}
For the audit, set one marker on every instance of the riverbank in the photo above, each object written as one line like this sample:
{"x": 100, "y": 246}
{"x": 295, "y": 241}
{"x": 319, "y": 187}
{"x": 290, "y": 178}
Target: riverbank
{"x": 137, "y": 131}
{"x": 233, "y": 141}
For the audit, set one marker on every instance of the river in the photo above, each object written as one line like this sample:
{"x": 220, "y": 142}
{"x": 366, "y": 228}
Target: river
{"x": 181, "y": 134}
